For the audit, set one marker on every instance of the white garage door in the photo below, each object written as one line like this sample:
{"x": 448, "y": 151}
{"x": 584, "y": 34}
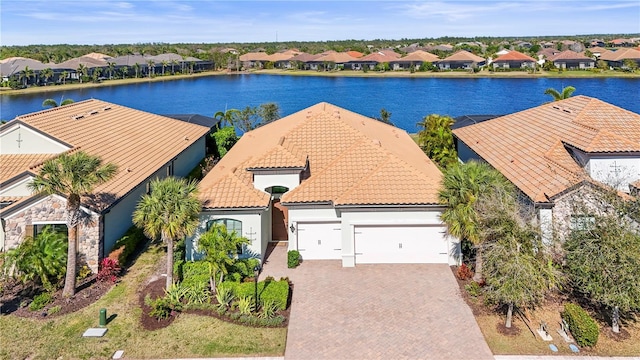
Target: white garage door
{"x": 401, "y": 244}
{"x": 320, "y": 241}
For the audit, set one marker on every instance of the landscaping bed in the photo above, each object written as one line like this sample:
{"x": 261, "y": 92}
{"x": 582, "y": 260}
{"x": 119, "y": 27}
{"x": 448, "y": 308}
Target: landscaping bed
{"x": 522, "y": 338}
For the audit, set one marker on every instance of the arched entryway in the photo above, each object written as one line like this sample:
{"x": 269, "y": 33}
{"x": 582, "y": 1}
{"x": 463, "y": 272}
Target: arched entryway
{"x": 279, "y": 214}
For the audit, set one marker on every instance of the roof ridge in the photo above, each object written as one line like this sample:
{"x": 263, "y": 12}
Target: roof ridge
{"x": 57, "y": 108}
{"x": 54, "y": 156}
{"x": 549, "y": 158}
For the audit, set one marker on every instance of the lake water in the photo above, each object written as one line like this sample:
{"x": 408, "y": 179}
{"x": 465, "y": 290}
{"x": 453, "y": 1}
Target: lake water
{"x": 408, "y": 99}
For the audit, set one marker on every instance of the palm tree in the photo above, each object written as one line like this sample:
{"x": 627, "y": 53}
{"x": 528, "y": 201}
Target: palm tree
{"x": 95, "y": 74}
{"x": 227, "y": 116}
{"x": 218, "y": 245}
{"x": 74, "y": 175}
{"x": 170, "y": 212}
{"x": 63, "y": 76}
{"x": 46, "y": 74}
{"x": 462, "y": 185}
{"x": 53, "y": 103}
{"x": 125, "y": 71}
{"x": 164, "y": 65}
{"x": 25, "y": 75}
{"x": 111, "y": 66}
{"x": 173, "y": 63}
{"x": 150, "y": 67}
{"x": 557, "y": 96}
{"x": 81, "y": 71}
{"x": 136, "y": 67}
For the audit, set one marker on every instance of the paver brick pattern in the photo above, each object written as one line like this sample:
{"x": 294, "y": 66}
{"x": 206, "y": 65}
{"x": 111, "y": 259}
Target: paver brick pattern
{"x": 381, "y": 311}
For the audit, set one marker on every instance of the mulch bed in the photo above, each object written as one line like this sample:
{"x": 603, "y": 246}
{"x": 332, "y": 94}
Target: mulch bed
{"x": 512, "y": 331}
{"x": 155, "y": 289}
{"x": 621, "y": 336}
{"x": 475, "y": 303}
{"x": 15, "y": 299}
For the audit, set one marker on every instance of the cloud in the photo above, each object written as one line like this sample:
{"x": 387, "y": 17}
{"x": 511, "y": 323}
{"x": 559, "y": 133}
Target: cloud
{"x": 124, "y": 5}
{"x": 453, "y": 11}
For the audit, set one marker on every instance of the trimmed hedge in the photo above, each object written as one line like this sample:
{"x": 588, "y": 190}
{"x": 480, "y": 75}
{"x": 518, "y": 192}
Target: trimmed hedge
{"x": 293, "y": 259}
{"x": 195, "y": 273}
{"x": 127, "y": 245}
{"x": 582, "y": 326}
{"x": 276, "y": 291}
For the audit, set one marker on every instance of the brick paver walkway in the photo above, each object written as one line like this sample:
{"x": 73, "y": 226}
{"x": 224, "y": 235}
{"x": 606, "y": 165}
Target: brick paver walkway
{"x": 377, "y": 311}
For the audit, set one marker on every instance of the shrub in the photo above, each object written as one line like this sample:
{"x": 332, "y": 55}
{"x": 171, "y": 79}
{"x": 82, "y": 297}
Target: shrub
{"x": 176, "y": 293}
{"x": 582, "y": 326}
{"x": 473, "y": 289}
{"x": 269, "y": 309}
{"x": 109, "y": 270}
{"x": 127, "y": 245}
{"x": 195, "y": 273}
{"x": 245, "y": 305}
{"x": 40, "y": 301}
{"x": 55, "y": 309}
{"x": 276, "y": 291}
{"x": 293, "y": 259}
{"x": 464, "y": 272}
{"x": 242, "y": 269}
{"x": 224, "y": 296}
{"x": 163, "y": 307}
{"x": 197, "y": 294}
{"x": 83, "y": 273}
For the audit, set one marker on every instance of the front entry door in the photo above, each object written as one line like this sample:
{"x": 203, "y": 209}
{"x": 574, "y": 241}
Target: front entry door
{"x": 279, "y": 221}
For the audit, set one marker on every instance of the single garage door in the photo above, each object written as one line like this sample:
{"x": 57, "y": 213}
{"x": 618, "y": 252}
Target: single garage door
{"x": 320, "y": 241}
{"x": 396, "y": 244}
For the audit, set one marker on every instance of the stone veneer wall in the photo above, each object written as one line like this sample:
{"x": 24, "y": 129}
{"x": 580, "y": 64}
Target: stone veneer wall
{"x": 53, "y": 209}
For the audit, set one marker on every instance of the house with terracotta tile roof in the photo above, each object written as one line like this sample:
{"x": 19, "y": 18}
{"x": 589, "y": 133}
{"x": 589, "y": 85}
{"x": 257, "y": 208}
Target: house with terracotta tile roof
{"x": 461, "y": 60}
{"x": 372, "y": 60}
{"x": 144, "y": 146}
{"x": 572, "y": 60}
{"x": 617, "y": 58}
{"x": 332, "y": 184}
{"x": 514, "y": 60}
{"x": 553, "y": 151}
{"x": 414, "y": 59}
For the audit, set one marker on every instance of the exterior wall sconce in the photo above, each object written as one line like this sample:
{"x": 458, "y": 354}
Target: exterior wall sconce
{"x": 292, "y": 228}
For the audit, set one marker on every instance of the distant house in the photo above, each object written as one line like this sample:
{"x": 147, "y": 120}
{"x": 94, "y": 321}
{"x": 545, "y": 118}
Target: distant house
{"x": 514, "y": 60}
{"x": 372, "y": 60}
{"x": 332, "y": 184}
{"x": 461, "y": 60}
{"x": 597, "y": 51}
{"x": 415, "y": 59}
{"x": 332, "y": 60}
{"x": 597, "y": 43}
{"x": 617, "y": 58}
{"x": 621, "y": 42}
{"x": 301, "y": 61}
{"x": 144, "y": 146}
{"x": 555, "y": 151}
{"x": 572, "y": 60}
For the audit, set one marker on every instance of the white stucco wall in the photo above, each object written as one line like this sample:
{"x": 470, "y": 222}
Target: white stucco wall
{"x": 19, "y": 188}
{"x": 287, "y": 178}
{"x": 618, "y": 172}
{"x": 190, "y": 158}
{"x": 20, "y": 139}
{"x": 251, "y": 229}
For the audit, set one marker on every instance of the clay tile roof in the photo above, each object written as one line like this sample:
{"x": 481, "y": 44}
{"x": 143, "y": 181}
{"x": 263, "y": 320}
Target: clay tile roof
{"x": 335, "y": 57}
{"x": 255, "y": 56}
{"x": 348, "y": 155}
{"x": 533, "y": 148}
{"x": 569, "y": 55}
{"x": 514, "y": 56}
{"x": 621, "y": 54}
{"x": 464, "y": 55}
{"x": 419, "y": 55}
{"x": 140, "y": 143}
{"x": 304, "y": 57}
{"x": 15, "y": 164}
{"x": 355, "y": 54}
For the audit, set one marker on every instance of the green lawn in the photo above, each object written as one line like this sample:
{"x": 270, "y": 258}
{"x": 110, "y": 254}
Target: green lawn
{"x": 187, "y": 336}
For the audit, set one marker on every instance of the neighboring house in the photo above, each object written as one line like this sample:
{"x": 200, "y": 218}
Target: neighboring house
{"x": 370, "y": 61}
{"x": 144, "y": 146}
{"x": 618, "y": 57}
{"x": 514, "y": 60}
{"x": 331, "y": 60}
{"x": 333, "y": 184}
{"x": 301, "y": 60}
{"x": 461, "y": 60}
{"x": 597, "y": 51}
{"x": 415, "y": 59}
{"x": 572, "y": 60}
{"x": 554, "y": 152}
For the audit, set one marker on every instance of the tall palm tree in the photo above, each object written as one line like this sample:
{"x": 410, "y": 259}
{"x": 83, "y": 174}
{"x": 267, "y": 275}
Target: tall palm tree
{"x": 227, "y": 116}
{"x": 125, "y": 71}
{"x": 557, "y": 96}
{"x": 46, "y": 74}
{"x": 173, "y": 63}
{"x": 53, "y": 103}
{"x": 81, "y": 71}
{"x": 95, "y": 74}
{"x": 74, "y": 175}
{"x": 170, "y": 212}
{"x": 111, "y": 66}
{"x": 63, "y": 76}
{"x": 25, "y": 75}
{"x": 151, "y": 66}
{"x": 164, "y": 65}
{"x": 462, "y": 185}
{"x": 136, "y": 67}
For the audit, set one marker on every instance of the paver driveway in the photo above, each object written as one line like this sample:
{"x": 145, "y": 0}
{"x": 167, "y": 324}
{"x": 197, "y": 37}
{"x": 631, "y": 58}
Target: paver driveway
{"x": 380, "y": 311}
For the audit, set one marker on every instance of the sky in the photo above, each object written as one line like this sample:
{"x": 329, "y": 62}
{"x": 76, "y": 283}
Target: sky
{"x": 27, "y": 22}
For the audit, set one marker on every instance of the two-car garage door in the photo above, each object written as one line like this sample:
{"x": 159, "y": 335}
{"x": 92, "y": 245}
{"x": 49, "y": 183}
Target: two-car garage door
{"x": 394, "y": 244}
{"x": 374, "y": 244}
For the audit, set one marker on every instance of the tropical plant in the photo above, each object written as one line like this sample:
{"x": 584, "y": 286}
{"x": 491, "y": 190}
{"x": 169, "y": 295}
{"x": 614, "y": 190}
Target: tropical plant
{"x": 385, "y": 117}
{"x": 246, "y": 305}
{"x": 136, "y": 68}
{"x": 74, "y": 175}
{"x": 227, "y": 117}
{"x": 38, "y": 260}
{"x": 219, "y": 247}
{"x": 125, "y": 71}
{"x": 25, "y": 75}
{"x": 557, "y": 95}
{"x": 95, "y": 74}
{"x": 111, "y": 66}
{"x": 150, "y": 67}
{"x": 602, "y": 263}
{"x": 268, "y": 112}
{"x": 462, "y": 185}
{"x": 436, "y": 140}
{"x": 164, "y": 65}
{"x": 170, "y": 212}
{"x": 53, "y": 103}
{"x": 63, "y": 76}
{"x": 81, "y": 71}
{"x": 46, "y": 74}
{"x": 225, "y": 139}
{"x": 224, "y": 296}
{"x": 173, "y": 63}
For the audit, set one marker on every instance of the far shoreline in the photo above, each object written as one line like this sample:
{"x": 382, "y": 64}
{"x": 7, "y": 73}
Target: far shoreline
{"x": 484, "y": 74}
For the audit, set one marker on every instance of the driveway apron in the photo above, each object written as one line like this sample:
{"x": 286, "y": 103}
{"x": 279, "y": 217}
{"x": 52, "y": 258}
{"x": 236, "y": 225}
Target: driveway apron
{"x": 382, "y": 311}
